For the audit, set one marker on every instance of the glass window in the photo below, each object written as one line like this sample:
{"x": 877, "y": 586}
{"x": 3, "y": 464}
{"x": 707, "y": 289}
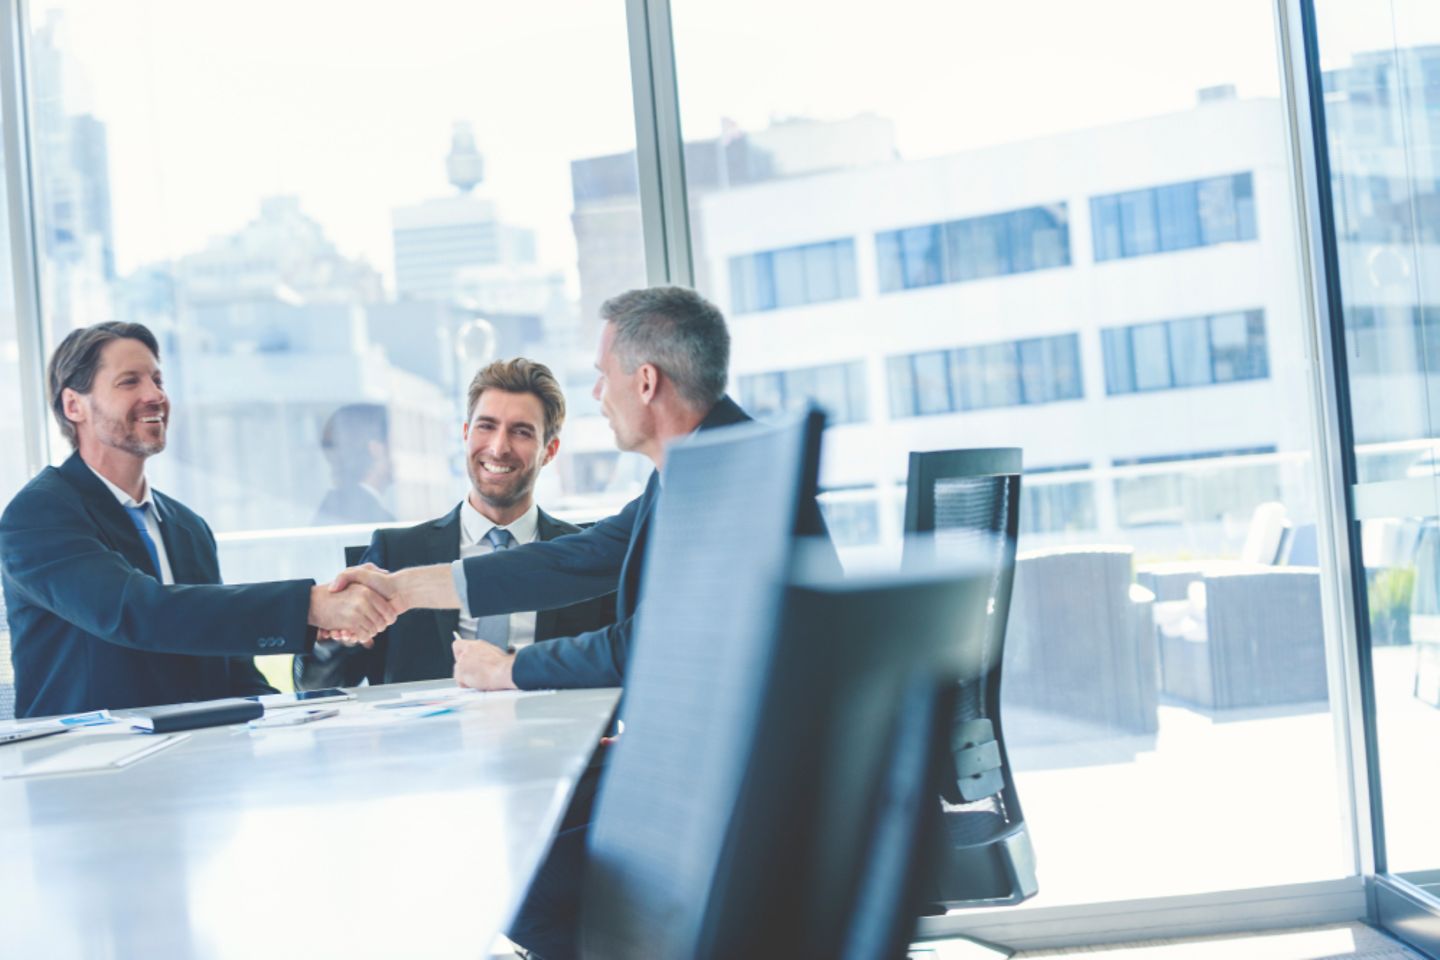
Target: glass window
{"x": 968, "y": 378}
{"x": 932, "y": 384}
{"x": 951, "y": 205}
{"x": 1152, "y": 357}
{"x": 789, "y": 267}
{"x": 1000, "y": 373}
{"x": 1105, "y": 228}
{"x": 317, "y": 339}
{"x": 1190, "y": 351}
{"x": 1178, "y": 212}
{"x": 900, "y": 382}
{"x": 763, "y": 394}
{"x": 822, "y": 274}
{"x": 742, "y": 285}
{"x": 1137, "y": 223}
{"x": 1239, "y": 346}
{"x": 1119, "y": 360}
{"x": 920, "y": 252}
{"x": 890, "y": 261}
{"x": 1218, "y": 220}
{"x": 1063, "y": 354}
{"x": 977, "y": 248}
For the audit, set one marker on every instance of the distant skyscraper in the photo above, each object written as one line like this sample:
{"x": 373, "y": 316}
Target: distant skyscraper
{"x": 437, "y": 239}
{"x": 73, "y": 190}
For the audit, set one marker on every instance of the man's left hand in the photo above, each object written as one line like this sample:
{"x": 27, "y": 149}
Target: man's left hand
{"x": 482, "y": 665}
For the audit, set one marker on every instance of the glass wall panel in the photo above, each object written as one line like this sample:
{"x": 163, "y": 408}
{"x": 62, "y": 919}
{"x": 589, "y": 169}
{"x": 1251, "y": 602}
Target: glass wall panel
{"x": 13, "y": 472}
{"x": 331, "y": 224}
{"x": 1381, "y": 71}
{"x": 959, "y": 161}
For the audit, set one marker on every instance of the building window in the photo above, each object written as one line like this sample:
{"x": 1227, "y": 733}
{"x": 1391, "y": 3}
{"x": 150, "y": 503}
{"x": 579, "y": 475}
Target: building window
{"x": 1052, "y": 502}
{"x": 852, "y": 516}
{"x": 837, "y": 388}
{"x": 1196, "y": 488}
{"x": 1018, "y": 241}
{"x": 793, "y": 276}
{"x": 1177, "y": 216}
{"x": 1189, "y": 352}
{"x": 1007, "y": 374}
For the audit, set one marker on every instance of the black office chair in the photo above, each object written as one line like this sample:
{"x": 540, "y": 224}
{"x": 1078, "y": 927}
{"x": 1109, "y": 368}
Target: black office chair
{"x": 964, "y": 499}
{"x": 768, "y": 794}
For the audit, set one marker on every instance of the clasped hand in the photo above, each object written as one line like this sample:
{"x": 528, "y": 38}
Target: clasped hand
{"x": 359, "y": 603}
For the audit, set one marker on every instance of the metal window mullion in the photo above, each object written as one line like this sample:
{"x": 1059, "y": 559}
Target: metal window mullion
{"x": 659, "y": 147}
{"x": 20, "y": 207}
{"x": 1348, "y": 667}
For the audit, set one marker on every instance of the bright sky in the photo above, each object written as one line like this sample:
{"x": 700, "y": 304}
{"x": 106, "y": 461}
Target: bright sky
{"x": 212, "y": 106}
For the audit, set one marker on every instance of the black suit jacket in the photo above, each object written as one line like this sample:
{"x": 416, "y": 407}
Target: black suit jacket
{"x": 608, "y": 556}
{"x": 92, "y": 627}
{"x": 417, "y": 647}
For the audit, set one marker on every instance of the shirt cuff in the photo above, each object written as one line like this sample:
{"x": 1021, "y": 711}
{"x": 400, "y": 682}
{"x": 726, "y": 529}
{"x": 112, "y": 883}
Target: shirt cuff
{"x": 462, "y": 586}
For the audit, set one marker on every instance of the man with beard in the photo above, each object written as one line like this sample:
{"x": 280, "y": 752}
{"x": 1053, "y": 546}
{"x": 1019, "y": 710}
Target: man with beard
{"x": 113, "y": 589}
{"x": 515, "y": 411}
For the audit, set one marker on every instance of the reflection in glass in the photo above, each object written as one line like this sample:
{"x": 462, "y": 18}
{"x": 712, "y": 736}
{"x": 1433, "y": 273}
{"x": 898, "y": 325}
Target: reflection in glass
{"x": 958, "y": 167}
{"x": 1381, "y": 69}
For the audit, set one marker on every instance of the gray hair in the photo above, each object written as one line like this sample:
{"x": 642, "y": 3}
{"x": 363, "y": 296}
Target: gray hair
{"x": 678, "y": 331}
{"x": 77, "y": 359}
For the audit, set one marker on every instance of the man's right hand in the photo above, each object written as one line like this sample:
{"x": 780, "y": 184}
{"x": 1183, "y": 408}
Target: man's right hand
{"x": 351, "y": 615}
{"x": 428, "y": 588}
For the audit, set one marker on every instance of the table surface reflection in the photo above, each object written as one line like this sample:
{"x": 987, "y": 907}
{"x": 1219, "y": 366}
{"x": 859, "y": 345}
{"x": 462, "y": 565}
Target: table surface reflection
{"x": 411, "y": 839}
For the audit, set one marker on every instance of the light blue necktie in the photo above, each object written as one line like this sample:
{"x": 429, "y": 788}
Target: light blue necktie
{"x": 496, "y": 628}
{"x": 137, "y": 516}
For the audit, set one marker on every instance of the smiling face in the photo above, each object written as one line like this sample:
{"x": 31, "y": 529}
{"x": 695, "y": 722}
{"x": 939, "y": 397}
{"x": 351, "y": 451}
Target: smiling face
{"x": 126, "y": 409}
{"x": 504, "y": 450}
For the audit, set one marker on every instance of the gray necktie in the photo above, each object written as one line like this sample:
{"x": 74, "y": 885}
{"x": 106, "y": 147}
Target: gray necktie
{"x": 496, "y": 628}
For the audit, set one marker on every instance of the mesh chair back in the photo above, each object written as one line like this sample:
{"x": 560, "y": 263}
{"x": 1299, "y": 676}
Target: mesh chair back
{"x": 970, "y": 500}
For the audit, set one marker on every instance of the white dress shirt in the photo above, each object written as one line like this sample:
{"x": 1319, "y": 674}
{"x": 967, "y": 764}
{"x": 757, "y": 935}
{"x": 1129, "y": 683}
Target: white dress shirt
{"x": 474, "y": 526}
{"x": 152, "y": 521}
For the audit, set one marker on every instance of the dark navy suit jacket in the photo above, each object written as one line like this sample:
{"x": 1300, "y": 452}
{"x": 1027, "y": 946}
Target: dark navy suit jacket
{"x": 418, "y": 647}
{"x": 539, "y": 576}
{"x": 92, "y": 627}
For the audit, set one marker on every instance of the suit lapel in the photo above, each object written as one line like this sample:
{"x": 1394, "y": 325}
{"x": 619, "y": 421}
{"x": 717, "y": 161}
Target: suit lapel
{"x": 440, "y": 543}
{"x": 628, "y": 596}
{"x": 115, "y": 524}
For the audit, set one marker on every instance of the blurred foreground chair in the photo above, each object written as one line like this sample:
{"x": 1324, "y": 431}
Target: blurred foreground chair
{"x": 770, "y": 793}
{"x": 960, "y": 501}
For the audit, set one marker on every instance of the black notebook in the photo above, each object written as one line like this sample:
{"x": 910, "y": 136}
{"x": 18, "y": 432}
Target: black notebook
{"x": 189, "y": 716}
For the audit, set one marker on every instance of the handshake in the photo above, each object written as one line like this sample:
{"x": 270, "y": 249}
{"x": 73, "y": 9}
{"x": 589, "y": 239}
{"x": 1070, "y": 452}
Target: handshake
{"x": 356, "y": 605}
{"x": 362, "y": 601}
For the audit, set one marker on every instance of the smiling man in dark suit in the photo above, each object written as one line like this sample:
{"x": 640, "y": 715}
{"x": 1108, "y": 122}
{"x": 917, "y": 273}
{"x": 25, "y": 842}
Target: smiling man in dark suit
{"x": 512, "y": 430}
{"x": 112, "y": 588}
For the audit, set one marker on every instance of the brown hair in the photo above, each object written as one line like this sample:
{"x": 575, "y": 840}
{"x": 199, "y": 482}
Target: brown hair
{"x": 522, "y": 376}
{"x": 76, "y": 360}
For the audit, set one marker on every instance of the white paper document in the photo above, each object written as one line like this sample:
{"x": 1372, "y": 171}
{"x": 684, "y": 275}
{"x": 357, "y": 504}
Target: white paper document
{"x": 85, "y": 754}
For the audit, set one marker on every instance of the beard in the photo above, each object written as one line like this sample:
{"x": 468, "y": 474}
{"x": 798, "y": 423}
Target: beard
{"x": 123, "y": 434}
{"x": 505, "y": 490}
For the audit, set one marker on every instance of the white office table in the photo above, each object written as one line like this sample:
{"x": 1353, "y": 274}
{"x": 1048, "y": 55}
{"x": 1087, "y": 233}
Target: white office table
{"x": 414, "y": 839}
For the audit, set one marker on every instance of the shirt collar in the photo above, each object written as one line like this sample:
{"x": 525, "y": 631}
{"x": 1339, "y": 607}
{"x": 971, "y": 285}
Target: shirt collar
{"x": 474, "y": 524}
{"x": 146, "y": 500}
